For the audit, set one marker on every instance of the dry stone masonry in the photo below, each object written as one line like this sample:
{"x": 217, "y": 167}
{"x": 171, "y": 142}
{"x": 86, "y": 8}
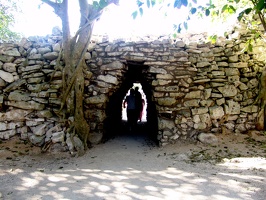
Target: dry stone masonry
{"x": 198, "y": 89}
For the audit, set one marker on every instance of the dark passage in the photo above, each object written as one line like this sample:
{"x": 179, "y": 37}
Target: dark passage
{"x": 115, "y": 123}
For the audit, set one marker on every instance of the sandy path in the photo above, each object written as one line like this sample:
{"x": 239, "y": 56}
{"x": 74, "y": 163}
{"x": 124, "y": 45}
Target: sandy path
{"x": 130, "y": 167}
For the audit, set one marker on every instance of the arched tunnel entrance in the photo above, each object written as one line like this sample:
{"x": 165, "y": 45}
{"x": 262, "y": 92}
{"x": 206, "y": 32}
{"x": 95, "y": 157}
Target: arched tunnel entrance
{"x": 114, "y": 124}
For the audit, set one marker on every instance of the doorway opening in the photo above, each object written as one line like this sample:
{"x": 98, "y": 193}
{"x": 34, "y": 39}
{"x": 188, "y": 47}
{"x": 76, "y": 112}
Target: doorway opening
{"x": 115, "y": 122}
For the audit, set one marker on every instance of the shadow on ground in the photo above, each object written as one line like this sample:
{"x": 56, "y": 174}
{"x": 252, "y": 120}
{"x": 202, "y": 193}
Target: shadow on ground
{"x": 131, "y": 167}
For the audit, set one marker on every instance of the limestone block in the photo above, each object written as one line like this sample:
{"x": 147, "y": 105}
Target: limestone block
{"x": 242, "y": 86}
{"x": 203, "y": 64}
{"x": 96, "y": 99}
{"x": 205, "y": 118}
{"x": 116, "y": 65}
{"x": 35, "y": 87}
{"x": 31, "y": 68}
{"x": 216, "y": 112}
{"x": 6, "y": 76}
{"x": 196, "y": 119}
{"x": 220, "y": 101}
{"x": 208, "y": 138}
{"x": 2, "y": 83}
{"x": 192, "y": 103}
{"x": 167, "y": 133}
{"x": 39, "y": 130}
{"x": 157, "y": 70}
{"x": 108, "y": 79}
{"x": 43, "y": 50}
{"x": 12, "y": 52}
{"x": 146, "y": 50}
{"x": 44, "y": 114}
{"x": 180, "y": 44}
{"x": 167, "y": 101}
{"x": 233, "y": 79}
{"x": 193, "y": 95}
{"x": 164, "y": 76}
{"x": 200, "y": 126}
{"x": 207, "y": 93}
{"x": 51, "y": 55}
{"x": 56, "y": 47}
{"x": 222, "y": 64}
{"x": 233, "y": 59}
{"x": 199, "y": 111}
{"x": 35, "y": 80}
{"x": 10, "y": 67}
{"x": 166, "y": 124}
{"x": 232, "y": 107}
{"x": 239, "y": 65}
{"x": 228, "y": 90}
{"x": 232, "y": 72}
{"x": 173, "y": 88}
{"x": 58, "y": 137}
{"x": 240, "y": 128}
{"x": 253, "y": 83}
{"x": 36, "y": 140}
{"x": 70, "y": 144}
{"x": 35, "y": 56}
{"x": 250, "y": 109}
{"x": 180, "y": 54}
{"x": 218, "y": 73}
{"x": 5, "y": 58}
{"x": 14, "y": 114}
{"x": 7, "y": 134}
{"x": 19, "y": 96}
{"x": 230, "y": 126}
{"x": 29, "y": 105}
{"x": 207, "y": 103}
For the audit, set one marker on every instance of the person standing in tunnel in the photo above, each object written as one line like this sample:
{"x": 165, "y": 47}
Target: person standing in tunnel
{"x": 130, "y": 104}
{"x": 139, "y": 104}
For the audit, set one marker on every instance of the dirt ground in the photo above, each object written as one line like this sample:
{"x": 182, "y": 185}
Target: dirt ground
{"x": 133, "y": 167}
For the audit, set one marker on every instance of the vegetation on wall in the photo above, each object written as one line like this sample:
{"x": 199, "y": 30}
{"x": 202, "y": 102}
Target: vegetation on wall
{"x": 7, "y": 18}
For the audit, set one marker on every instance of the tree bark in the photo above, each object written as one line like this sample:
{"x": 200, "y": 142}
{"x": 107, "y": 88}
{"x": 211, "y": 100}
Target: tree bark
{"x": 74, "y": 50}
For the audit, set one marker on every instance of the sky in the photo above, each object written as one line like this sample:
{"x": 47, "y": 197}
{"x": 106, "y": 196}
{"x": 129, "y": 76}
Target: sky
{"x": 116, "y": 21}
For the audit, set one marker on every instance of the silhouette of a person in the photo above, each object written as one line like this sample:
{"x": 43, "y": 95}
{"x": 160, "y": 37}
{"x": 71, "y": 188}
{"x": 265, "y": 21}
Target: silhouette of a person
{"x": 130, "y": 104}
{"x": 139, "y": 103}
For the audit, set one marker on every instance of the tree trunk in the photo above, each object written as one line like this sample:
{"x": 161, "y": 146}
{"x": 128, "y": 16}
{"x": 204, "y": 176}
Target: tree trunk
{"x": 74, "y": 49}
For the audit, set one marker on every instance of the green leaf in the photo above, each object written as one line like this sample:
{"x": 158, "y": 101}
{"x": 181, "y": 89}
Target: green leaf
{"x": 240, "y": 15}
{"x": 178, "y": 4}
{"x": 184, "y": 3}
{"x": 179, "y": 28}
{"x": 134, "y": 14}
{"x": 153, "y": 3}
{"x": 237, "y": 1}
{"x": 195, "y": 1}
{"x": 231, "y": 9}
{"x": 185, "y": 25}
{"x": 207, "y": 12}
{"x": 174, "y": 35}
{"x": 250, "y": 47}
{"x": 248, "y": 10}
{"x": 103, "y": 3}
{"x": 148, "y": 3}
{"x": 139, "y": 3}
{"x": 95, "y": 4}
{"x": 224, "y": 8}
{"x": 213, "y": 38}
{"x": 193, "y": 10}
{"x": 141, "y": 11}
{"x": 260, "y": 5}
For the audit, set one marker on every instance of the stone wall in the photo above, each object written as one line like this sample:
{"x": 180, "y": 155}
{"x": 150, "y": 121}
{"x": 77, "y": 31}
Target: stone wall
{"x": 191, "y": 86}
